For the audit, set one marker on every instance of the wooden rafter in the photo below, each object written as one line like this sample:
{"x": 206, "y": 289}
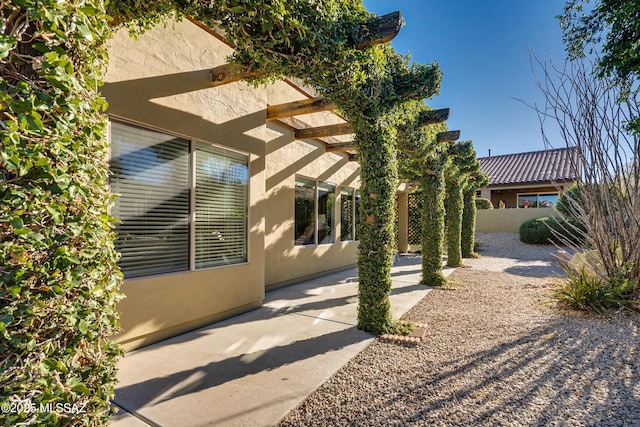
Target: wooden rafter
{"x": 381, "y": 29}
{"x": 225, "y": 74}
{"x": 431, "y": 117}
{"x": 345, "y": 146}
{"x": 324, "y": 131}
{"x": 306, "y": 106}
{"x": 449, "y": 136}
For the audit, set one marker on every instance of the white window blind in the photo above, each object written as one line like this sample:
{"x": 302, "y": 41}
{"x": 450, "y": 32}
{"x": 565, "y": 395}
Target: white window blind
{"x": 221, "y": 206}
{"x": 149, "y": 173}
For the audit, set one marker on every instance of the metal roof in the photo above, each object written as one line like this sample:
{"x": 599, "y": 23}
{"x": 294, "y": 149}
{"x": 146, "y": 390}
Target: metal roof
{"x": 535, "y": 167}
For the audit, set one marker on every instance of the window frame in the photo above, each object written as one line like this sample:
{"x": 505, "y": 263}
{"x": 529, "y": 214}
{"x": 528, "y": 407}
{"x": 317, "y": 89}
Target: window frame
{"x": 330, "y": 190}
{"x": 306, "y": 242}
{"x": 355, "y": 215}
{"x": 537, "y": 201}
{"x": 317, "y": 184}
{"x": 191, "y": 204}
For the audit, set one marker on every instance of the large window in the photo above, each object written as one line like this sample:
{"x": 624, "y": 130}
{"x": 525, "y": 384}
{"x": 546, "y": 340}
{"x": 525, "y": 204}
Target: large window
{"x": 305, "y": 206}
{"x": 221, "y": 206}
{"x": 326, "y": 213}
{"x": 349, "y": 214}
{"x": 315, "y": 207}
{"x": 537, "y": 200}
{"x": 181, "y": 205}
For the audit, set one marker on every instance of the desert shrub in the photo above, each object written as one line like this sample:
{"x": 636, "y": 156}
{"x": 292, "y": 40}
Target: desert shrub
{"x": 548, "y": 230}
{"x": 482, "y": 203}
{"x": 536, "y": 231}
{"x": 586, "y": 291}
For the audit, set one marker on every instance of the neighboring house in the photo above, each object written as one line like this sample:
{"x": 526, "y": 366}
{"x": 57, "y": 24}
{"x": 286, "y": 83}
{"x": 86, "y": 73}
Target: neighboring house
{"x": 219, "y": 200}
{"x": 530, "y": 180}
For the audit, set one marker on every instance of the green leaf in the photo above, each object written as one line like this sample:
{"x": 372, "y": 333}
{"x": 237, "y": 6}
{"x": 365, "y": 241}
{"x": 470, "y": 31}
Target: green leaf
{"x": 17, "y": 223}
{"x": 4, "y": 332}
{"x": 84, "y": 31}
{"x": 76, "y": 385}
{"x": 83, "y": 327}
{"x": 6, "y": 44}
{"x": 57, "y": 212}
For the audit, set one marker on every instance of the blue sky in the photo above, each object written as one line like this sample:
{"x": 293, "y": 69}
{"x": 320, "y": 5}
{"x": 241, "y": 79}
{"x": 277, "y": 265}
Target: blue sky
{"x": 483, "y": 48}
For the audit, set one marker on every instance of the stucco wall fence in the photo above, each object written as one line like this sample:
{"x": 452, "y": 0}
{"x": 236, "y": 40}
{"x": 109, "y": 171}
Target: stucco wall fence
{"x": 508, "y": 220}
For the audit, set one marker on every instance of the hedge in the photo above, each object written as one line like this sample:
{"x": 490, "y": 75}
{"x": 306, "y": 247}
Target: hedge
{"x": 549, "y": 230}
{"x": 482, "y": 203}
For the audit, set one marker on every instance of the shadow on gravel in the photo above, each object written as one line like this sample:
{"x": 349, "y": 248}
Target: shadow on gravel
{"x": 535, "y": 270}
{"x": 553, "y": 375}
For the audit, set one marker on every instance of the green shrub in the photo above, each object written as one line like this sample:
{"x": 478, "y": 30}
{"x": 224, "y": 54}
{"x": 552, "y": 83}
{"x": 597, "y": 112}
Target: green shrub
{"x": 583, "y": 290}
{"x": 536, "y": 231}
{"x": 548, "y": 230}
{"x": 482, "y": 203}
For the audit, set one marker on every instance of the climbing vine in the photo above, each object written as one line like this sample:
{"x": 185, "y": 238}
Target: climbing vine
{"x": 475, "y": 179}
{"x": 462, "y": 164}
{"x": 58, "y": 276}
{"x": 453, "y": 217}
{"x": 423, "y": 161}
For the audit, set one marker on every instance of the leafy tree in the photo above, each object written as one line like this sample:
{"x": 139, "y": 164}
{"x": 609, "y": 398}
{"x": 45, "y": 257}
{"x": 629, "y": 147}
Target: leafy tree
{"x": 611, "y": 25}
{"x": 611, "y": 30}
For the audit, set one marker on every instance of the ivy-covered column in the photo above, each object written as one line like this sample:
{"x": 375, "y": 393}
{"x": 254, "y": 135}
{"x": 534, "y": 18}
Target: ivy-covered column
{"x": 453, "y": 207}
{"x": 377, "y": 216}
{"x": 468, "y": 221}
{"x": 432, "y": 217}
{"x": 58, "y": 276}
{"x": 474, "y": 179}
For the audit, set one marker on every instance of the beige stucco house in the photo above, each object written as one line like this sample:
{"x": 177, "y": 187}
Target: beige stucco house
{"x": 218, "y": 202}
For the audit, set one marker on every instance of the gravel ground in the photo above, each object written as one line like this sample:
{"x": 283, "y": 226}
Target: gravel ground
{"x": 496, "y": 354}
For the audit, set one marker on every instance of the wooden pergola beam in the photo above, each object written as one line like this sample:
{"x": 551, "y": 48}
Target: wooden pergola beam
{"x": 346, "y": 146}
{"x": 324, "y": 131}
{"x": 431, "y": 117}
{"x": 225, "y": 74}
{"x": 296, "y": 108}
{"x": 449, "y": 136}
{"x": 381, "y": 29}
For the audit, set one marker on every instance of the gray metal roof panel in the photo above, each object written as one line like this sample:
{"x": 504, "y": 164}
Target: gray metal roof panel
{"x": 533, "y": 167}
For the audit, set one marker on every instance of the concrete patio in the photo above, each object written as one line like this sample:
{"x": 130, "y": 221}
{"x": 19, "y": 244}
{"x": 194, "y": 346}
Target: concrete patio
{"x": 252, "y": 369}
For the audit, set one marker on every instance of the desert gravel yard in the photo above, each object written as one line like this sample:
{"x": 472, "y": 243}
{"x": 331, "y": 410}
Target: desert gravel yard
{"x": 496, "y": 354}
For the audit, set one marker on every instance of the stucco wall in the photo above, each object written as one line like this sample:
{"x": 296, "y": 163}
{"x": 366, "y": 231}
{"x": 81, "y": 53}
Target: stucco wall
{"x": 508, "y": 220}
{"x": 162, "y": 80}
{"x": 286, "y": 158}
